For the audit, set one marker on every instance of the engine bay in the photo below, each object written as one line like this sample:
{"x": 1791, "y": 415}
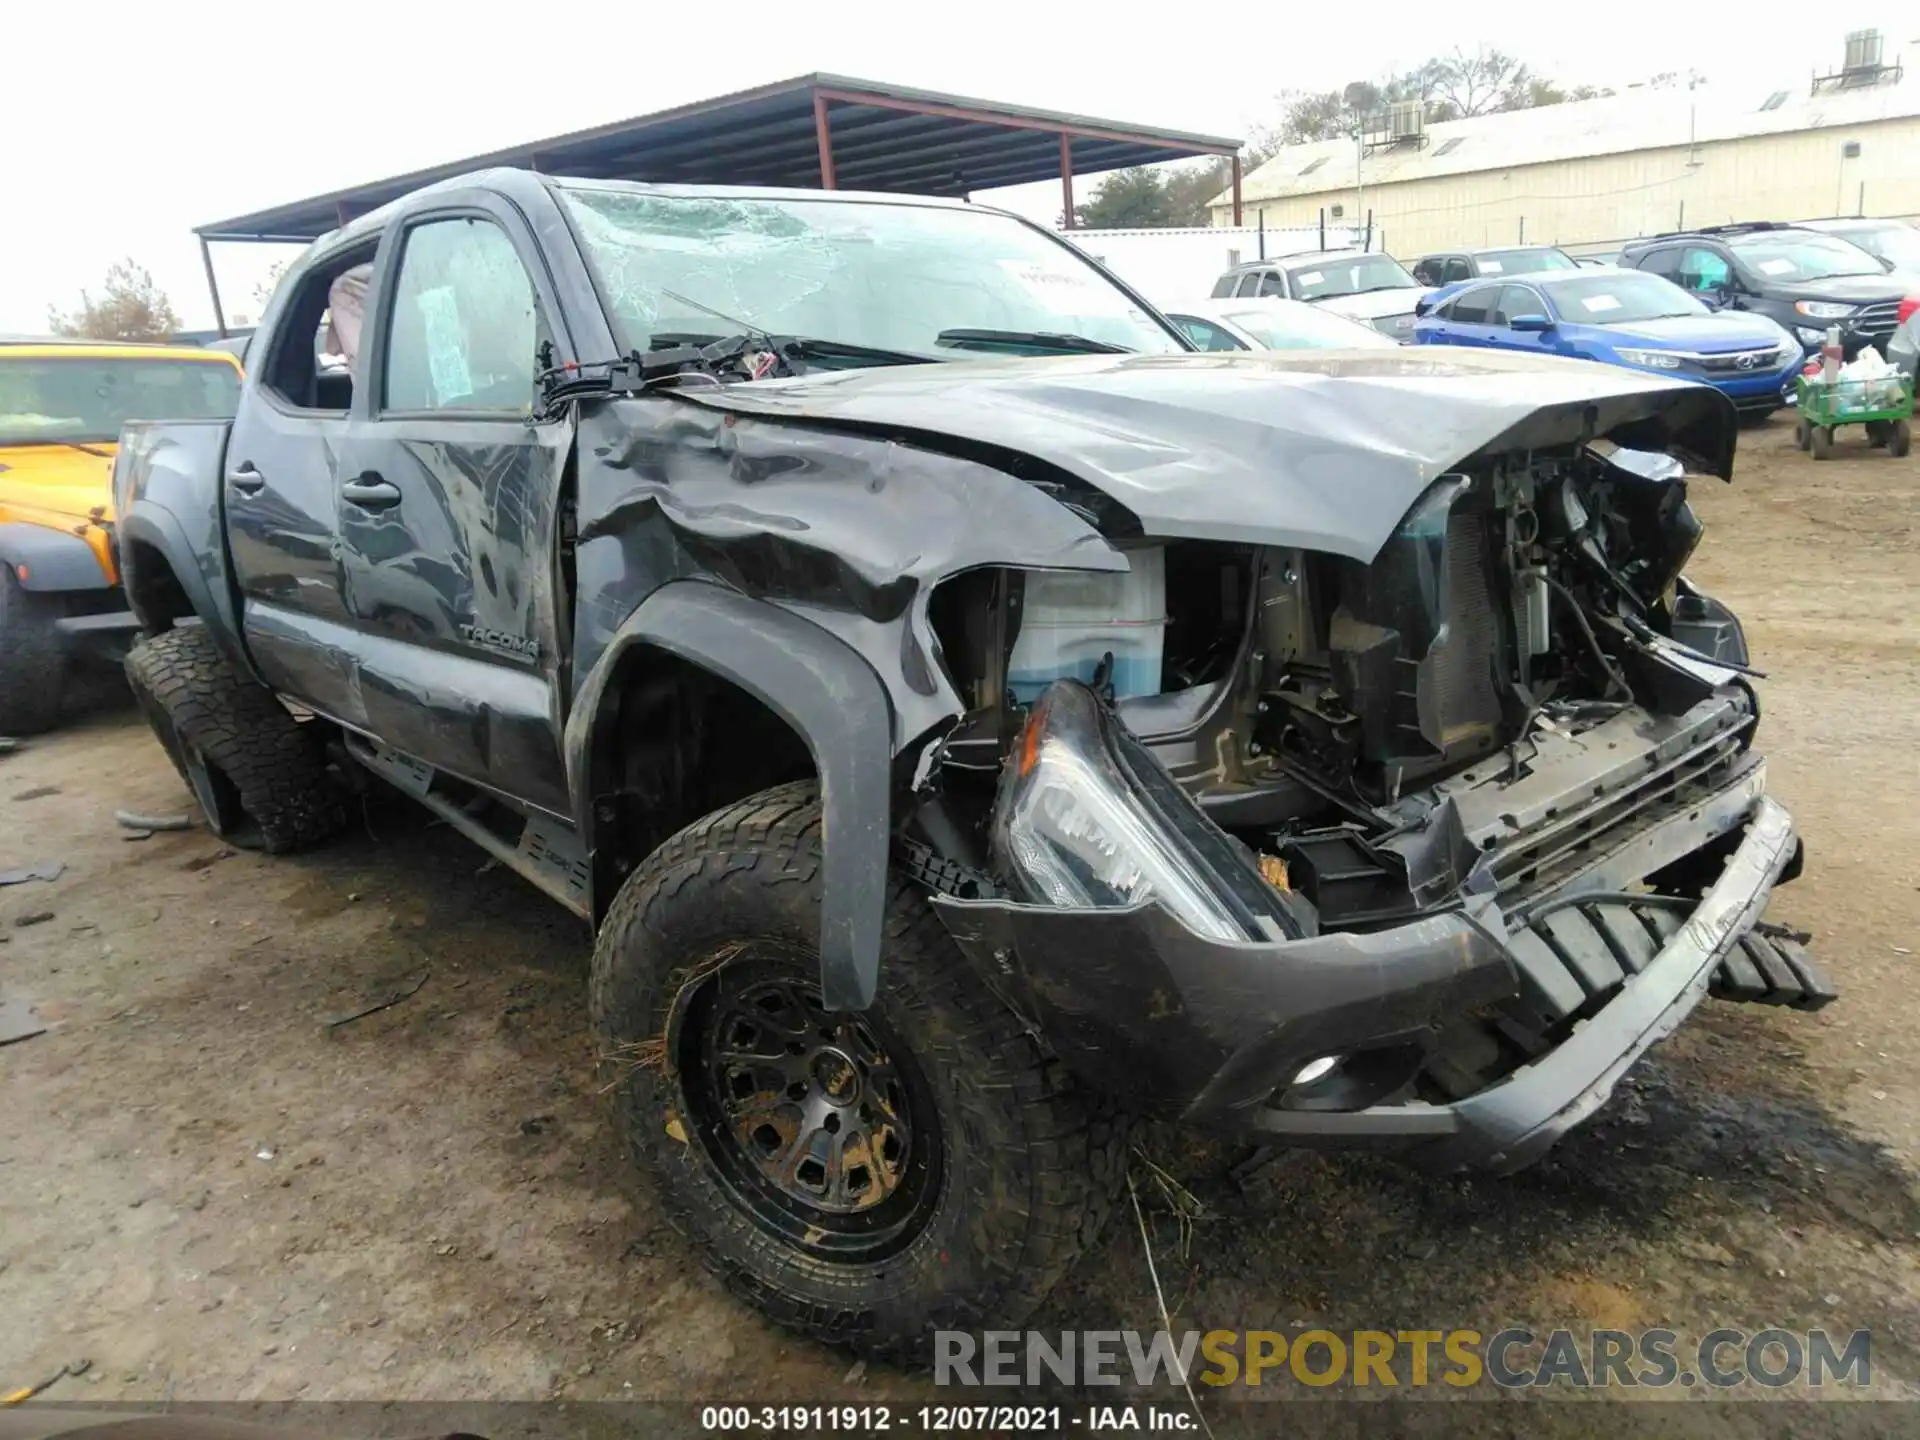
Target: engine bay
{"x": 1333, "y": 717}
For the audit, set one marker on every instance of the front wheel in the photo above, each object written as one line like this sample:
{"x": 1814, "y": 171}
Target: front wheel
{"x": 863, "y": 1178}
{"x": 1822, "y": 442}
{"x": 33, "y": 662}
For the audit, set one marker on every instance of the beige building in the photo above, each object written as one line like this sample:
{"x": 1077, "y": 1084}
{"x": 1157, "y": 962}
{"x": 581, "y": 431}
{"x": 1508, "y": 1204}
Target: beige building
{"x": 1593, "y": 173}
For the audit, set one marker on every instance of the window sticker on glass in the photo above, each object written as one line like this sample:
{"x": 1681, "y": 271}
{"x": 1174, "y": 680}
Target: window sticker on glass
{"x": 1489, "y": 267}
{"x": 1599, "y": 304}
{"x": 1310, "y": 277}
{"x": 1067, "y": 292}
{"x": 446, "y": 344}
{"x": 1777, "y": 266}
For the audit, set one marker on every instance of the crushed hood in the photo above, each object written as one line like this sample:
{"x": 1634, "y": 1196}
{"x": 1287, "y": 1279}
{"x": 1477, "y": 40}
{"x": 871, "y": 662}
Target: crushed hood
{"x": 1325, "y": 450}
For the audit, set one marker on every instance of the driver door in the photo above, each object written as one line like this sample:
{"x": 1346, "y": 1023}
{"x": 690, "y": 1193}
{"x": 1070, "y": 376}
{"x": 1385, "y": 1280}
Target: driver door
{"x": 448, "y": 501}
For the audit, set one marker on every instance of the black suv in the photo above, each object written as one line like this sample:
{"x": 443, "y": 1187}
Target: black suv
{"x": 1803, "y": 279}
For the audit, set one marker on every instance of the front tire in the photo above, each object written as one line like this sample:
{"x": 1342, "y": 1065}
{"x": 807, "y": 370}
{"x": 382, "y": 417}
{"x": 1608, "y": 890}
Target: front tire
{"x": 257, "y": 774}
{"x": 33, "y": 661}
{"x": 1821, "y": 442}
{"x": 1900, "y": 439}
{"x": 866, "y": 1178}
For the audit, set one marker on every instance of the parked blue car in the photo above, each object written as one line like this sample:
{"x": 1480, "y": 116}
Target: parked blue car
{"x": 1623, "y": 317}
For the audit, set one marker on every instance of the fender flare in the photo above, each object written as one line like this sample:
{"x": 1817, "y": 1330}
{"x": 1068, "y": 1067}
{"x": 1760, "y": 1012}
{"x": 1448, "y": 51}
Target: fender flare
{"x": 149, "y": 525}
{"x": 837, "y": 705}
{"x": 54, "y": 560}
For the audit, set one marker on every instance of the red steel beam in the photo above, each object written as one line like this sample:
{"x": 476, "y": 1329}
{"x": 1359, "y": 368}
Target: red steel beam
{"x": 1066, "y": 180}
{"x": 1010, "y": 122}
{"x": 823, "y": 137}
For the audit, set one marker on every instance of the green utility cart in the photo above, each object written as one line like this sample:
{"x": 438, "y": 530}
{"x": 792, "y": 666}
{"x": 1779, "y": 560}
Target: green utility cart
{"x": 1883, "y": 405}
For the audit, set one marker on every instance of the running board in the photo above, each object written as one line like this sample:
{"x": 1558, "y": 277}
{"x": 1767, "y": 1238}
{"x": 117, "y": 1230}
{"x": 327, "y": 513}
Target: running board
{"x": 545, "y": 852}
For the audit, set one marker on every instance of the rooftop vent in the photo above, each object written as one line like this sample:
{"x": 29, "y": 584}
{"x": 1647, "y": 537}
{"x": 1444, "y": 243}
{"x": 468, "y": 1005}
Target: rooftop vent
{"x": 1865, "y": 64}
{"x": 1863, "y": 51}
{"x": 1775, "y": 100}
{"x": 1403, "y": 125}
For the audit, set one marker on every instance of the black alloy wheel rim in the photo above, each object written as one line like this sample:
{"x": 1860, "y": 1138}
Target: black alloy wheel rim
{"x": 819, "y": 1125}
{"x": 212, "y": 791}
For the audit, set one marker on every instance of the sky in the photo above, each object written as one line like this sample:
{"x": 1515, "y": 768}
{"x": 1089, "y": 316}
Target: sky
{"x": 129, "y": 123}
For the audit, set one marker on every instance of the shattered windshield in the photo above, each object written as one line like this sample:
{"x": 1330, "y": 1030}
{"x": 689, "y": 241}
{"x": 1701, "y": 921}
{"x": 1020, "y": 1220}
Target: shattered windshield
{"x": 68, "y": 400}
{"x": 889, "y": 276}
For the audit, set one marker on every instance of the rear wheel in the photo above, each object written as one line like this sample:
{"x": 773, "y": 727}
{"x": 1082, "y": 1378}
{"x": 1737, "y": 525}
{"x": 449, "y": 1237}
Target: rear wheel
{"x": 1900, "y": 440}
{"x": 1822, "y": 442}
{"x": 257, "y": 774}
{"x": 33, "y": 661}
{"x": 864, "y": 1178}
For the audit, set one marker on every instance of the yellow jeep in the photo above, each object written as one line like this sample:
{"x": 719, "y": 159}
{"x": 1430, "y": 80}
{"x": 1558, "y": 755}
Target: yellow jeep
{"x": 61, "y": 408}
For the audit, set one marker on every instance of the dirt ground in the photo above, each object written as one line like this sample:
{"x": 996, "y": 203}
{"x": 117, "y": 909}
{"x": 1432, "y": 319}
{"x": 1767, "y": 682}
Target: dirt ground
{"x": 213, "y": 1195}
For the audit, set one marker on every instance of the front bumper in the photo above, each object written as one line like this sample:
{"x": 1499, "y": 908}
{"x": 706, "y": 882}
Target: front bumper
{"x": 1764, "y": 391}
{"x": 1211, "y": 1032}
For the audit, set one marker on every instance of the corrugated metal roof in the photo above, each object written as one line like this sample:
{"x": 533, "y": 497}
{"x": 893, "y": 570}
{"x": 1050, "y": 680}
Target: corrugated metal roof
{"x": 885, "y": 137}
{"x": 1639, "y": 119}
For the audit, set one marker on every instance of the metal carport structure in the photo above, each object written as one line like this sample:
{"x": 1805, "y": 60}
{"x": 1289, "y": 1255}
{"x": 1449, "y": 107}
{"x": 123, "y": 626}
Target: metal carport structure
{"x": 816, "y": 130}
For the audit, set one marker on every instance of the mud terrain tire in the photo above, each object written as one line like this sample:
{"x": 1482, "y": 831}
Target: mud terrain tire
{"x": 33, "y": 661}
{"x": 1015, "y": 1171}
{"x": 258, "y": 775}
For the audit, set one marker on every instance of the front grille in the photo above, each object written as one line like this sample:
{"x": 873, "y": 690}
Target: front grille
{"x": 1878, "y": 321}
{"x": 1756, "y": 361}
{"x": 1536, "y": 862}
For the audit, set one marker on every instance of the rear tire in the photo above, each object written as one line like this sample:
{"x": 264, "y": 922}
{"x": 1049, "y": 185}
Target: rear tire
{"x": 258, "y": 775}
{"x": 956, "y": 1203}
{"x": 1900, "y": 441}
{"x": 33, "y": 659}
{"x": 1822, "y": 442}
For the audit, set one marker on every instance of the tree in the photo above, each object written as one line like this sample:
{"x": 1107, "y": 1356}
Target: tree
{"x": 1130, "y": 199}
{"x": 130, "y": 307}
{"x": 270, "y": 282}
{"x": 1449, "y": 87}
{"x": 1483, "y": 83}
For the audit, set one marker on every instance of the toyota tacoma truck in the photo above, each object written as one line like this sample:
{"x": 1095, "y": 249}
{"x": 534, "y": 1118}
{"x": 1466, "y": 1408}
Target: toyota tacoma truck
{"x": 967, "y": 717}
{"x": 61, "y": 407}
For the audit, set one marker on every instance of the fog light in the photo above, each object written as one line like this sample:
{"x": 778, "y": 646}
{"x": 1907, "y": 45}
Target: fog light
{"x": 1317, "y": 1069}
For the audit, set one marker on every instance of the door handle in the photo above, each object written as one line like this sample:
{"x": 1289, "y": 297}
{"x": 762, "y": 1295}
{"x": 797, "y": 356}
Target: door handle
{"x": 246, "y": 480}
{"x": 370, "y": 492}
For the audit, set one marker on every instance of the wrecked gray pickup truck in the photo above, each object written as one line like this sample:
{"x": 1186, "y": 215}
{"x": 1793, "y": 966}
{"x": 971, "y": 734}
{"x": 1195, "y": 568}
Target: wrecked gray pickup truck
{"x": 968, "y": 717}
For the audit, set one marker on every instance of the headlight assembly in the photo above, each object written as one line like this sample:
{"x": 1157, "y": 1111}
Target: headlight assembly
{"x": 1069, "y": 831}
{"x": 1650, "y": 359}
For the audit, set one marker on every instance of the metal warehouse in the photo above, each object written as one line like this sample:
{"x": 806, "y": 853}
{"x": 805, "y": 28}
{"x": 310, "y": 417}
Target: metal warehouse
{"x": 1593, "y": 173}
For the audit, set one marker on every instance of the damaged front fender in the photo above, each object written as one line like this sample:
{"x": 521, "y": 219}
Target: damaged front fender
{"x": 836, "y": 704}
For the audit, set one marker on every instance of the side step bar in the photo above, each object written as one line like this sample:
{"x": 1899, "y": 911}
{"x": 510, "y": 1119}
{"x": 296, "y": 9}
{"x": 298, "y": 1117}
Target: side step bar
{"x": 545, "y": 852}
